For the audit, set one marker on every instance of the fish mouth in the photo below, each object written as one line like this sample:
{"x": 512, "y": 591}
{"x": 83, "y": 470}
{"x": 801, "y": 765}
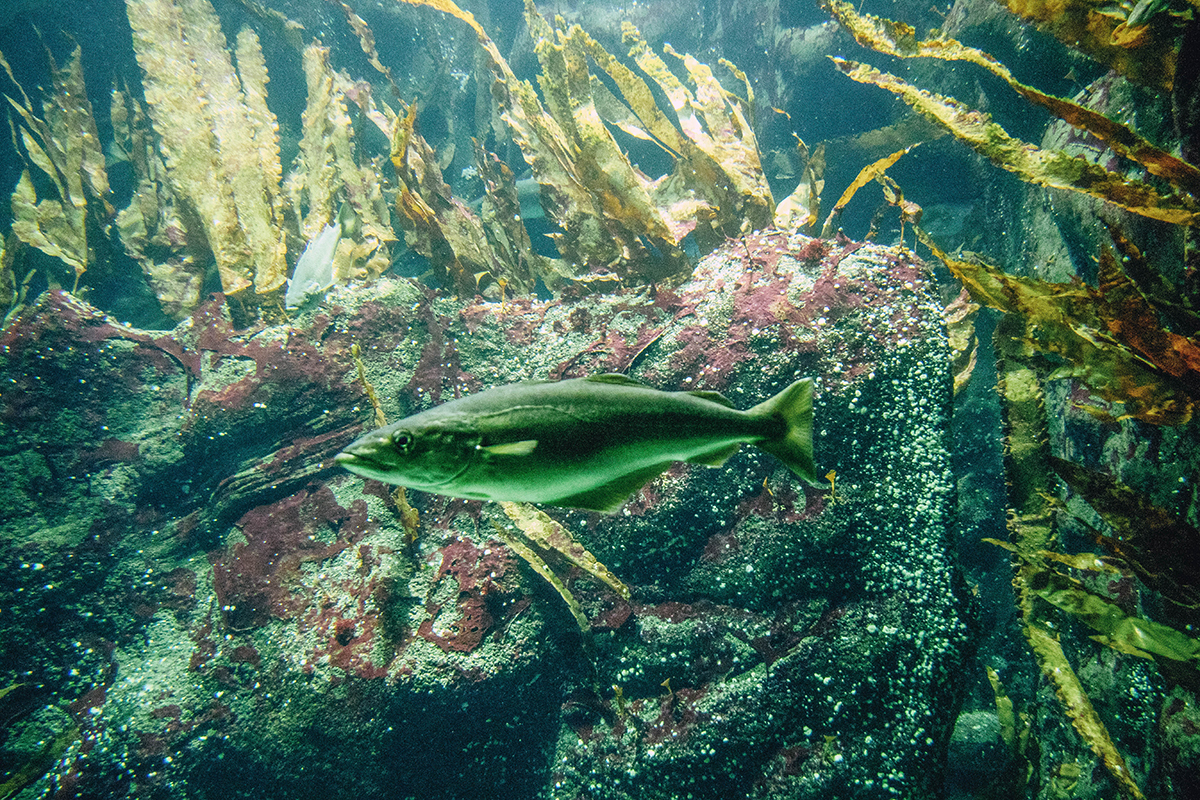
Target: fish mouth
{"x": 357, "y": 461}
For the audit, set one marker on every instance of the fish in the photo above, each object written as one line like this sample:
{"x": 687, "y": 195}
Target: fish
{"x": 587, "y": 443}
{"x": 313, "y": 274}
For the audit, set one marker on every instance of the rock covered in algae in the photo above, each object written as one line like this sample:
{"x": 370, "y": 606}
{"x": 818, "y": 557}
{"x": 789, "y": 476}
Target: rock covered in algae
{"x": 219, "y": 606}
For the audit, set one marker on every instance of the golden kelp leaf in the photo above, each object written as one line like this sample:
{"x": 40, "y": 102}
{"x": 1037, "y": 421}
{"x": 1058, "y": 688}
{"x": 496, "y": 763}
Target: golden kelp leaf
{"x": 865, "y": 176}
{"x": 49, "y": 226}
{"x": 329, "y": 170}
{"x": 1051, "y": 168}
{"x": 150, "y": 229}
{"x": 718, "y": 146}
{"x": 349, "y": 260}
{"x": 620, "y": 191}
{"x": 66, "y": 148}
{"x": 899, "y": 39}
{"x": 547, "y": 533}
{"x": 1068, "y": 320}
{"x": 38, "y": 156}
{"x": 530, "y": 557}
{"x": 8, "y": 280}
{"x": 73, "y": 125}
{"x": 379, "y": 419}
{"x": 448, "y": 7}
{"x": 1031, "y": 482}
{"x": 1087, "y": 26}
{"x": 588, "y": 241}
{"x": 253, "y": 72}
{"x": 1089, "y": 562}
{"x": 959, "y": 317}
{"x": 329, "y": 164}
{"x": 639, "y": 97}
{"x": 1156, "y": 544}
{"x": 1031, "y": 522}
{"x": 799, "y": 210}
{"x": 197, "y": 109}
{"x": 748, "y": 101}
{"x": 615, "y": 112}
{"x": 1129, "y": 634}
{"x": 409, "y": 517}
{"x": 612, "y": 217}
{"x": 1132, "y": 320}
{"x": 1181, "y": 311}
{"x": 235, "y": 135}
{"x": 1057, "y": 669}
{"x": 314, "y": 186}
{"x": 366, "y": 38}
{"x": 270, "y": 264}
{"x": 436, "y": 225}
{"x": 589, "y": 189}
{"x": 732, "y": 142}
{"x": 506, "y": 233}
{"x": 1004, "y": 710}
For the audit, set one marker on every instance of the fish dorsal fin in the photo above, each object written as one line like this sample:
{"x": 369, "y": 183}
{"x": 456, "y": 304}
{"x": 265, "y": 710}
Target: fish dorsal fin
{"x": 616, "y": 379}
{"x": 612, "y": 495}
{"x": 714, "y": 397}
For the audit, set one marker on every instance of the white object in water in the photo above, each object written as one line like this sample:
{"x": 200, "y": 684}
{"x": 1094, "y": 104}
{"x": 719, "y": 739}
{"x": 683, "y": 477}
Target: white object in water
{"x": 314, "y": 270}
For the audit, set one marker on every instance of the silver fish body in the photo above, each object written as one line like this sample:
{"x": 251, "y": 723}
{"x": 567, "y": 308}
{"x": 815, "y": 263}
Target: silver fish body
{"x": 585, "y": 442}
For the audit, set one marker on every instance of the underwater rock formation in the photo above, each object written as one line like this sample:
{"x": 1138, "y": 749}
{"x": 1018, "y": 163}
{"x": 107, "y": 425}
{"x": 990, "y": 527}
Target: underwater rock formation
{"x": 230, "y": 609}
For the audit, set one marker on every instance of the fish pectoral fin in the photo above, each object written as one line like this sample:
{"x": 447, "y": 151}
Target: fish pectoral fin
{"x": 715, "y": 458}
{"x": 521, "y": 448}
{"x": 609, "y": 497}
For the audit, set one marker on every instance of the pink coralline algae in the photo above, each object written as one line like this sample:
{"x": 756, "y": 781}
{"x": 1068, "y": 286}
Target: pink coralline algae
{"x": 252, "y": 579}
{"x": 480, "y": 575}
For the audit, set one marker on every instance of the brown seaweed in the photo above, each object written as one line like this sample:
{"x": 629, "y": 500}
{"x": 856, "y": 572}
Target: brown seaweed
{"x": 1050, "y": 168}
{"x": 65, "y": 147}
{"x": 1105, "y": 340}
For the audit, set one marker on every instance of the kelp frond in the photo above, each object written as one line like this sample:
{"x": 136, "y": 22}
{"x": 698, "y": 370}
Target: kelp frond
{"x": 440, "y": 227}
{"x": 799, "y": 210}
{"x": 1158, "y": 545}
{"x": 65, "y": 147}
{"x": 150, "y": 227}
{"x": 328, "y": 169}
{"x": 8, "y": 280}
{"x": 546, "y": 533}
{"x": 1050, "y": 168}
{"x": 538, "y": 539}
{"x": 899, "y": 39}
{"x": 1032, "y": 530}
{"x": 872, "y": 172}
{"x": 1098, "y": 29}
{"x": 1104, "y": 337}
{"x": 612, "y": 217}
{"x": 959, "y": 317}
{"x": 215, "y": 136}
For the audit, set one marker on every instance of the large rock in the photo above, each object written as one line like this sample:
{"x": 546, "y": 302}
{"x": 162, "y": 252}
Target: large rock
{"x": 225, "y": 613}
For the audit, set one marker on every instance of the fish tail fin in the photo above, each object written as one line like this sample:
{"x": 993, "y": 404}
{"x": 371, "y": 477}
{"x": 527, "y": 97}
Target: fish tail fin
{"x": 794, "y": 406}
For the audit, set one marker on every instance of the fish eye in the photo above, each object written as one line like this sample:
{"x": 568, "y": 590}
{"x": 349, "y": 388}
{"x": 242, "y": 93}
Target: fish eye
{"x": 402, "y": 441}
